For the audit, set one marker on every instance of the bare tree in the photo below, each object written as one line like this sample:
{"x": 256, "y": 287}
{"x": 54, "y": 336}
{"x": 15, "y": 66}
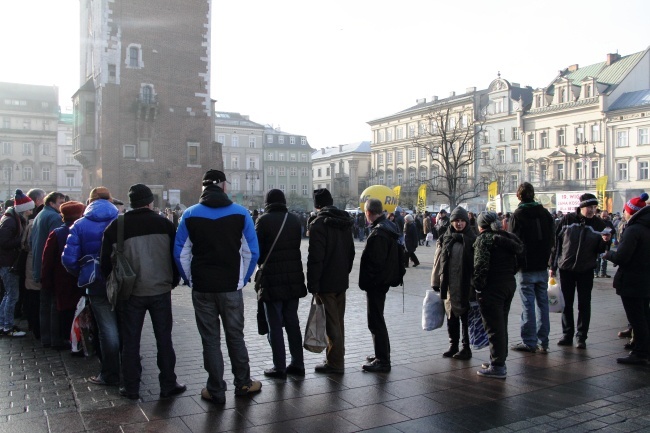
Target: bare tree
{"x": 494, "y": 168}
{"x": 451, "y": 139}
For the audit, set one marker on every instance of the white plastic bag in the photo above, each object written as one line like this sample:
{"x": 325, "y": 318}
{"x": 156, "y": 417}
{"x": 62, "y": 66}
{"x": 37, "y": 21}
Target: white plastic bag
{"x": 433, "y": 312}
{"x": 555, "y": 297}
{"x": 315, "y": 336}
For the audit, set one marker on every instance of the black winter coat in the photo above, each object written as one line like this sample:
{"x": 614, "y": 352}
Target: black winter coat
{"x": 495, "y": 261}
{"x": 282, "y": 276}
{"x": 331, "y": 251}
{"x": 374, "y": 270}
{"x": 12, "y": 225}
{"x": 578, "y": 243}
{"x": 411, "y": 239}
{"x": 633, "y": 256}
{"x": 534, "y": 226}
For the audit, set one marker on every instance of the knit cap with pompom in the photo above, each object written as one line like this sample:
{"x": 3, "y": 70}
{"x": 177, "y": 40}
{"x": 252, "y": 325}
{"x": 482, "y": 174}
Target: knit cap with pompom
{"x": 636, "y": 204}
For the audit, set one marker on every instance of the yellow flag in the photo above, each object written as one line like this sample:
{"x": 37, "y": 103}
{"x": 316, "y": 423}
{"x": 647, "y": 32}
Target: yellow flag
{"x": 493, "y": 190}
{"x": 422, "y": 198}
{"x": 397, "y": 191}
{"x": 601, "y": 185}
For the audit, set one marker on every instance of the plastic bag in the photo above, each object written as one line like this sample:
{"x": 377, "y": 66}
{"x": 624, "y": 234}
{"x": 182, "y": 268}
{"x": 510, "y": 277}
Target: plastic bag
{"x": 315, "y": 337}
{"x": 82, "y": 333}
{"x": 555, "y": 297}
{"x": 478, "y": 338}
{"x": 433, "y": 311}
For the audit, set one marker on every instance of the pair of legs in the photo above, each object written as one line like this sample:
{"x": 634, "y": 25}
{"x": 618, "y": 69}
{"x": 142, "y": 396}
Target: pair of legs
{"x": 494, "y": 303}
{"x": 454, "y": 329}
{"x": 279, "y": 314}
{"x": 109, "y": 339}
{"x": 334, "y": 327}
{"x": 583, "y": 283}
{"x": 49, "y": 320}
{"x": 10, "y": 282}
{"x": 375, "y": 301}
{"x": 210, "y": 310}
{"x": 535, "y": 323}
{"x": 411, "y": 256}
{"x": 132, "y": 313}
{"x": 638, "y": 314}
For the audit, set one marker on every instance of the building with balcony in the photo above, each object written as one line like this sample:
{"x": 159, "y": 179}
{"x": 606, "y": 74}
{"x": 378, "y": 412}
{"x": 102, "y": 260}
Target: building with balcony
{"x": 28, "y": 137}
{"x": 566, "y": 144}
{"x": 344, "y": 170}
{"x": 242, "y": 143}
{"x": 287, "y": 167}
{"x": 68, "y": 169}
{"x": 143, "y": 112}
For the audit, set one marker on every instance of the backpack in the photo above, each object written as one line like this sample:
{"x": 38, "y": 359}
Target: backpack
{"x": 398, "y": 270}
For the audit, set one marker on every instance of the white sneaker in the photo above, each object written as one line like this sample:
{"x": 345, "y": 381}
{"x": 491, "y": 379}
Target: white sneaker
{"x": 15, "y": 333}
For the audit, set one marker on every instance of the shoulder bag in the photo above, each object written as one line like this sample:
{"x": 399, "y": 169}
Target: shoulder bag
{"x": 122, "y": 278}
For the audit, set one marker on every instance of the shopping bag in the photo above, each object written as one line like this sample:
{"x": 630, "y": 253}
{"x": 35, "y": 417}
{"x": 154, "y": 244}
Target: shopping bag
{"x": 478, "y": 338}
{"x": 315, "y": 337}
{"x": 82, "y": 334}
{"x": 433, "y": 311}
{"x": 555, "y": 297}
{"x": 75, "y": 331}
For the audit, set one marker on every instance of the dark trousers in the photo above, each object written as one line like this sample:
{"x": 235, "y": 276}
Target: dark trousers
{"x": 285, "y": 313}
{"x": 131, "y": 314}
{"x": 32, "y": 306}
{"x": 375, "y": 301}
{"x": 638, "y": 314}
{"x": 454, "y": 328}
{"x": 49, "y": 320}
{"x": 494, "y": 304}
{"x": 334, "y": 327}
{"x": 412, "y": 256}
{"x": 583, "y": 282}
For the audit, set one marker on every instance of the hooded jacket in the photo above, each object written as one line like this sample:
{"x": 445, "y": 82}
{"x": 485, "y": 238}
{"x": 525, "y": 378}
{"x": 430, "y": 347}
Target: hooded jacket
{"x": 411, "y": 238}
{"x": 216, "y": 247}
{"x": 46, "y": 221}
{"x": 282, "y": 276}
{"x": 578, "y": 243}
{"x": 453, "y": 265}
{"x": 85, "y": 239}
{"x": 633, "y": 256}
{"x": 534, "y": 226}
{"x": 12, "y": 226}
{"x": 495, "y": 261}
{"x": 331, "y": 251}
{"x": 374, "y": 271}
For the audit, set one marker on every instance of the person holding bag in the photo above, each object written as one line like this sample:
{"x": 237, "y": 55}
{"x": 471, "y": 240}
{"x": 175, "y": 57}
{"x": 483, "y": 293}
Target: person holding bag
{"x": 280, "y": 282}
{"x": 453, "y": 265}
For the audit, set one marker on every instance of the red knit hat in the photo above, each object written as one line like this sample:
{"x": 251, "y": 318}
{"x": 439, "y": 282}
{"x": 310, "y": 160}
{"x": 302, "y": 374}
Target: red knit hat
{"x": 72, "y": 210}
{"x": 636, "y": 204}
{"x": 22, "y": 202}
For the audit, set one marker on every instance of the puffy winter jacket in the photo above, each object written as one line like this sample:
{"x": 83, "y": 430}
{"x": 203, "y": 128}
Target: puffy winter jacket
{"x": 85, "y": 239}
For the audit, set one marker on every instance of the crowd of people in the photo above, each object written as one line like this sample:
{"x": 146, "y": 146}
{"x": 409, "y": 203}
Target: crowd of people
{"x": 54, "y": 252}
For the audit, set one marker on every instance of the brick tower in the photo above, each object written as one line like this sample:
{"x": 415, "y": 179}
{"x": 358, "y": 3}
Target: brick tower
{"x": 143, "y": 112}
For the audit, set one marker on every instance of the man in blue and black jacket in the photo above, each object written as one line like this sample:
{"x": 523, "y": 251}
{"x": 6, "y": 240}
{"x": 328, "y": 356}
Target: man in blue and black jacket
{"x": 216, "y": 251}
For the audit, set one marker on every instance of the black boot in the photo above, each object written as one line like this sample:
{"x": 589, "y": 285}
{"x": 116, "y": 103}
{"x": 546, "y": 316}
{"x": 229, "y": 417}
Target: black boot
{"x": 453, "y": 349}
{"x": 464, "y": 354}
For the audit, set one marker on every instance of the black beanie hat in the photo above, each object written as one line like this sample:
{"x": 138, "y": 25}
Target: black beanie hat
{"x": 459, "y": 214}
{"x": 275, "y": 196}
{"x": 322, "y": 198}
{"x": 588, "y": 199}
{"x": 140, "y": 195}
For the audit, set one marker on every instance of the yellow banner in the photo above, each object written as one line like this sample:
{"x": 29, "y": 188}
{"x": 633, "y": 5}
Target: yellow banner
{"x": 601, "y": 186}
{"x": 422, "y": 198}
{"x": 397, "y": 191}
{"x": 493, "y": 190}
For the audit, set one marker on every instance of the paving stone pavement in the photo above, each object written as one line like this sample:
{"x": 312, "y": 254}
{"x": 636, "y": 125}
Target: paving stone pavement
{"x": 574, "y": 390}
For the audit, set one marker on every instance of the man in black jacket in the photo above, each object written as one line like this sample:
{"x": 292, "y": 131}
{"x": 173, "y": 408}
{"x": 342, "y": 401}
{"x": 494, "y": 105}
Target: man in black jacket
{"x": 329, "y": 263}
{"x": 374, "y": 274}
{"x": 534, "y": 226}
{"x": 282, "y": 282}
{"x": 579, "y": 239}
{"x": 148, "y": 246}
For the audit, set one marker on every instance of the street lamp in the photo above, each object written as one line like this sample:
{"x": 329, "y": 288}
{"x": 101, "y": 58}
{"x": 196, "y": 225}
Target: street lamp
{"x": 252, "y": 177}
{"x": 9, "y": 171}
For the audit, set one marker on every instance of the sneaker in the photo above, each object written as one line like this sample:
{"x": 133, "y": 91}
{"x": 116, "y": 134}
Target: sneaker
{"x": 255, "y": 386}
{"x": 497, "y": 372}
{"x": 543, "y": 350}
{"x": 632, "y": 359}
{"x": 565, "y": 341}
{"x": 626, "y": 333}
{"x": 464, "y": 354}
{"x": 523, "y": 347}
{"x": 295, "y": 371}
{"x": 14, "y": 332}
{"x": 205, "y": 395}
{"x": 328, "y": 369}
{"x": 581, "y": 344}
{"x": 485, "y": 365}
{"x": 377, "y": 366}
{"x": 605, "y": 276}
{"x": 274, "y": 372}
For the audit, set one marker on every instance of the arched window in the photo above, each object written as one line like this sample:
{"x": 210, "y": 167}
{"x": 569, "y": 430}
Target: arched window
{"x": 147, "y": 94}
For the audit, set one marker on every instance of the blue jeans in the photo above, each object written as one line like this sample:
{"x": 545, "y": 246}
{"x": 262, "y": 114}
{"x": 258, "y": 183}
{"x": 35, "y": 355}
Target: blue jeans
{"x": 8, "y": 305}
{"x": 109, "y": 338}
{"x": 535, "y": 323}
{"x": 210, "y": 309}
{"x": 285, "y": 313}
{"x": 131, "y": 313}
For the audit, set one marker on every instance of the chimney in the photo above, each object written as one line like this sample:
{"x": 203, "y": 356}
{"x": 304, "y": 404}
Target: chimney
{"x": 421, "y": 101}
{"x": 246, "y": 116}
{"x": 612, "y": 58}
{"x": 470, "y": 90}
{"x": 452, "y": 94}
{"x": 573, "y": 68}
{"x": 515, "y": 84}
{"x": 322, "y": 151}
{"x": 340, "y": 148}
{"x": 434, "y": 98}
